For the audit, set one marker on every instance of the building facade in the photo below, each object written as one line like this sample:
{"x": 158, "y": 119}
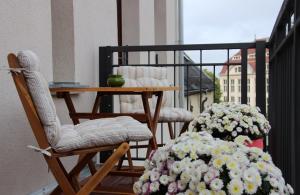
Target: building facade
{"x": 230, "y": 80}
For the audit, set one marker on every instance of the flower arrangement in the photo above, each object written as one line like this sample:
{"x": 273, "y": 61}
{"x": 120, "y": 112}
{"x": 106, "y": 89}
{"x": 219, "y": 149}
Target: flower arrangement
{"x": 197, "y": 163}
{"x": 227, "y": 121}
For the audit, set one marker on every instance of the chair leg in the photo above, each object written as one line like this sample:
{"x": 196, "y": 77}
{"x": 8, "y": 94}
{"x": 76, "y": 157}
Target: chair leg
{"x": 171, "y": 131}
{"x": 130, "y": 164}
{"x": 104, "y": 170}
{"x": 59, "y": 173}
{"x": 75, "y": 171}
{"x": 184, "y": 127}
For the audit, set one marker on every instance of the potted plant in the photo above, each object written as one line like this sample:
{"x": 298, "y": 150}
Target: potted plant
{"x": 197, "y": 163}
{"x": 230, "y": 121}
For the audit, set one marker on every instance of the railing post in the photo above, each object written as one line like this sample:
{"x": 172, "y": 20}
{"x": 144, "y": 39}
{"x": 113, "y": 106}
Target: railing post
{"x": 105, "y": 69}
{"x": 244, "y": 76}
{"x": 261, "y": 75}
{"x": 106, "y": 105}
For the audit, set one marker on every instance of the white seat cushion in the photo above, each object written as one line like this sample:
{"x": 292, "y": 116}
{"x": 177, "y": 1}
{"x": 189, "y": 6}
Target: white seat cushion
{"x": 40, "y": 94}
{"x": 99, "y": 132}
{"x": 171, "y": 114}
{"x": 150, "y": 76}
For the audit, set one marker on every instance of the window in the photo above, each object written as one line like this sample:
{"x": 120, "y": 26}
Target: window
{"x": 225, "y": 82}
{"x": 239, "y": 81}
{"x": 232, "y": 88}
{"x": 248, "y": 88}
{"x": 239, "y": 88}
{"x": 232, "y": 85}
{"x": 248, "y": 81}
{"x": 232, "y": 98}
{"x": 251, "y": 56}
{"x": 225, "y": 88}
{"x": 236, "y": 57}
{"x": 239, "y": 69}
{"x": 248, "y": 100}
{"x": 235, "y": 70}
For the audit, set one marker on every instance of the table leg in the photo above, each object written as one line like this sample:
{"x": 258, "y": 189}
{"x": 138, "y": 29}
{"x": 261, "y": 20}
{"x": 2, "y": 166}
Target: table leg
{"x": 157, "y": 110}
{"x": 70, "y": 106}
{"x": 96, "y": 105}
{"x": 147, "y": 111}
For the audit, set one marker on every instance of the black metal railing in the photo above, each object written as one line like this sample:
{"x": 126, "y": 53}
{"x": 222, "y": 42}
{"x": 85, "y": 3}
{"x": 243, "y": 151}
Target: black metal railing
{"x": 284, "y": 91}
{"x": 112, "y": 57}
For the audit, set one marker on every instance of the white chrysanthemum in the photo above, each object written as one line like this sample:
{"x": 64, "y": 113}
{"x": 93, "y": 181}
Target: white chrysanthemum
{"x": 176, "y": 167}
{"x": 164, "y": 179}
{"x": 185, "y": 177}
{"x": 205, "y": 192}
{"x": 220, "y": 192}
{"x": 218, "y": 163}
{"x": 266, "y": 157}
{"x": 216, "y": 184}
{"x": 261, "y": 166}
{"x": 154, "y": 176}
{"x": 172, "y": 188}
{"x": 235, "y": 187}
{"x": 250, "y": 174}
{"x": 290, "y": 189}
{"x": 189, "y": 192}
{"x": 235, "y": 174}
{"x": 201, "y": 186}
{"x": 239, "y": 129}
{"x": 193, "y": 186}
{"x": 145, "y": 187}
{"x": 250, "y": 187}
{"x": 137, "y": 187}
{"x": 209, "y": 176}
{"x": 181, "y": 185}
{"x": 154, "y": 187}
{"x": 273, "y": 182}
{"x": 232, "y": 165}
{"x": 203, "y": 168}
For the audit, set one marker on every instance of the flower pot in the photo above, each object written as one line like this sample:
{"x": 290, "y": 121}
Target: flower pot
{"x": 115, "y": 80}
{"x": 258, "y": 143}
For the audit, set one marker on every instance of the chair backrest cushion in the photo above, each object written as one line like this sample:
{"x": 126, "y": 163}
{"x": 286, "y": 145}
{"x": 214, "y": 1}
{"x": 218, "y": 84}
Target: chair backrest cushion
{"x": 40, "y": 94}
{"x": 143, "y": 77}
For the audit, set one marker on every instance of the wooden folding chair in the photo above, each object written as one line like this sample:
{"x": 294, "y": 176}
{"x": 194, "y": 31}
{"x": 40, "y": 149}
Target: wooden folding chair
{"x": 67, "y": 182}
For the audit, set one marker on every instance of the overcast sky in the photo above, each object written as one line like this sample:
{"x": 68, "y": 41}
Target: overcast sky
{"x": 225, "y": 21}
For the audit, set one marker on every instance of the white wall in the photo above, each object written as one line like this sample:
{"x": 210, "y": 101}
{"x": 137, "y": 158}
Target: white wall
{"x": 80, "y": 27}
{"x": 24, "y": 25}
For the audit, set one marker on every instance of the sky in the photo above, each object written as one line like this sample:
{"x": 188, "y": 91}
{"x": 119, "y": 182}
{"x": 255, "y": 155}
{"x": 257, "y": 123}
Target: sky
{"x": 227, "y": 21}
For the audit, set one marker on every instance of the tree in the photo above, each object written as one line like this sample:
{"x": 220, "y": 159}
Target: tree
{"x": 218, "y": 92}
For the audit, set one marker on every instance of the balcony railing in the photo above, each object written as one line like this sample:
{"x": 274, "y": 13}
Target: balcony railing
{"x": 285, "y": 92}
{"x": 171, "y": 56}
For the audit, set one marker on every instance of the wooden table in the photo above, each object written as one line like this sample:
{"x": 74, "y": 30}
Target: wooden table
{"x": 145, "y": 92}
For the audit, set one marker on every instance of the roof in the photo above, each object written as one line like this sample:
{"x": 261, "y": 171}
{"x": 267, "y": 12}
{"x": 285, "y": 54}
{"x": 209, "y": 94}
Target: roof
{"x": 251, "y": 61}
{"x": 192, "y": 80}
